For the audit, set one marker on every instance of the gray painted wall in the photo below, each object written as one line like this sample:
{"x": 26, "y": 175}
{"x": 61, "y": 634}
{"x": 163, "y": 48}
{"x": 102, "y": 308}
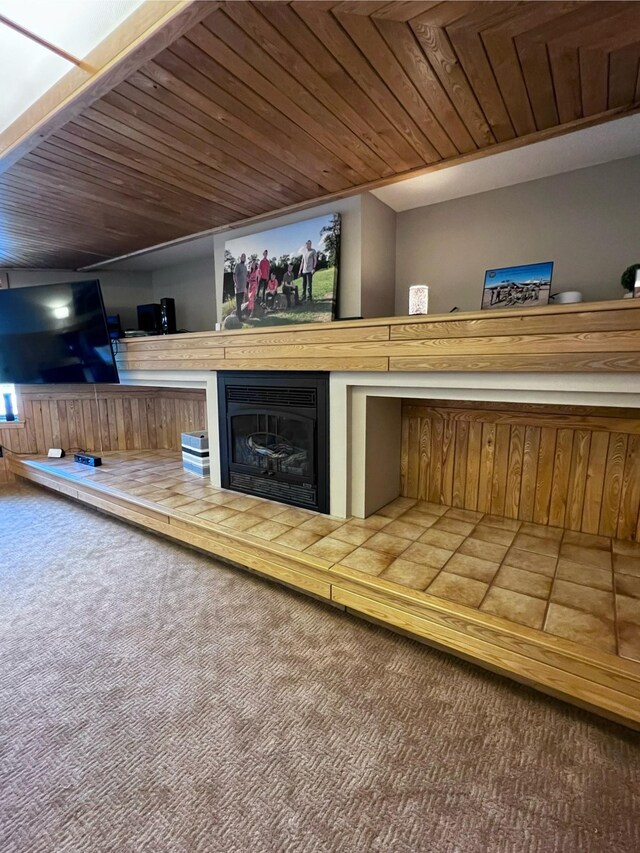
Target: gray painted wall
{"x": 586, "y": 221}
{"x": 192, "y": 285}
{"x": 378, "y": 258}
{"x": 122, "y": 291}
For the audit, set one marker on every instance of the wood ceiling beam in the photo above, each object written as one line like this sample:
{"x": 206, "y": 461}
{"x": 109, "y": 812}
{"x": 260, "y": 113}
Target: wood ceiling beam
{"x": 147, "y": 31}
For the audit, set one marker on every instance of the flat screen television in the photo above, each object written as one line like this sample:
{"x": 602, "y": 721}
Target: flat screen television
{"x": 55, "y": 333}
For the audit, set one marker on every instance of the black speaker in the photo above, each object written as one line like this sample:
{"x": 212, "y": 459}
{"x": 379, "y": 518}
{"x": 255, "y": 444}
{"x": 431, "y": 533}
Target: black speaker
{"x": 149, "y": 318}
{"x": 168, "y": 316}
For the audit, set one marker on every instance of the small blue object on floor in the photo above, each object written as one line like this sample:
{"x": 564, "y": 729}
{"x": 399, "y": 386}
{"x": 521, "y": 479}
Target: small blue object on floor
{"x": 195, "y": 452}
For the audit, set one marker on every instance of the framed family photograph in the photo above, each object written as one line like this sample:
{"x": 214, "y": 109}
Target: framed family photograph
{"x": 284, "y": 275}
{"x": 525, "y": 286}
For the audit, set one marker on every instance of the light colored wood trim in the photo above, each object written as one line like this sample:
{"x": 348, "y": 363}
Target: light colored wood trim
{"x": 599, "y": 338}
{"x": 513, "y": 415}
{"x": 11, "y": 425}
{"x": 147, "y": 31}
{"x": 613, "y": 704}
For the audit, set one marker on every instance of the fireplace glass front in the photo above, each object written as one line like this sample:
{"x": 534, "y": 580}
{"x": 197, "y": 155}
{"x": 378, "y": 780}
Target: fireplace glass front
{"x": 274, "y": 436}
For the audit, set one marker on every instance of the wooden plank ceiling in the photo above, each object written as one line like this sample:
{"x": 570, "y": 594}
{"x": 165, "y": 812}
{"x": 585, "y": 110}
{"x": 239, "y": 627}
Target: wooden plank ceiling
{"x": 270, "y": 104}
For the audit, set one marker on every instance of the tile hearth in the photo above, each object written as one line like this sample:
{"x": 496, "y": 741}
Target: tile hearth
{"x": 580, "y": 587}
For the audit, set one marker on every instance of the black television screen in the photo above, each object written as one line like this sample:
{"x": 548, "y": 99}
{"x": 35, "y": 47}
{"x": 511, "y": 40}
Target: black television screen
{"x": 55, "y": 333}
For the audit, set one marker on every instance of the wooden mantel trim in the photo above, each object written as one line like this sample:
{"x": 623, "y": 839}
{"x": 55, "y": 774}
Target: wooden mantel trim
{"x": 598, "y": 337}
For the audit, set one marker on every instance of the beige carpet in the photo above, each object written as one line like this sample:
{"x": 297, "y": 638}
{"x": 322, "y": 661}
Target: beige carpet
{"x": 154, "y": 700}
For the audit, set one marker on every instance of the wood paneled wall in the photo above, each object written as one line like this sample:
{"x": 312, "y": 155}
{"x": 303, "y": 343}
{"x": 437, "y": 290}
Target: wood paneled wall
{"x": 577, "y": 468}
{"x": 102, "y": 418}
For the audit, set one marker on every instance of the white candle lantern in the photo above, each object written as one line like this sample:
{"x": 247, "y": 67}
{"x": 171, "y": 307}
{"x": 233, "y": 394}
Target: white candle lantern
{"x": 419, "y": 299}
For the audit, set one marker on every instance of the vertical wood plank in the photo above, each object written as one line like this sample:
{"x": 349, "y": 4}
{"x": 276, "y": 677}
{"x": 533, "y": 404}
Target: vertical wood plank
{"x": 629, "y": 512}
{"x": 514, "y": 472}
{"x": 448, "y": 461}
{"x": 424, "y": 461}
{"x": 560, "y": 477}
{"x": 460, "y": 469}
{"x": 529, "y": 472}
{"x": 472, "y": 483}
{"x": 595, "y": 482}
{"x": 544, "y": 477}
{"x": 613, "y": 478}
{"x": 487, "y": 453}
{"x": 500, "y": 465}
{"x": 435, "y": 474}
{"x": 577, "y": 479}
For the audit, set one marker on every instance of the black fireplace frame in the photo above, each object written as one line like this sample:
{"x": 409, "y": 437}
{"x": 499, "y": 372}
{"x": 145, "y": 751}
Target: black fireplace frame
{"x": 274, "y": 381}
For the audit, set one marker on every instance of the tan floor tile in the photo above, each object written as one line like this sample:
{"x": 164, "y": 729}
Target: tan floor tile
{"x": 156, "y": 495}
{"x": 422, "y": 519}
{"x": 625, "y": 547}
{"x": 586, "y": 540}
{"x": 596, "y": 601}
{"x": 520, "y": 580}
{"x": 243, "y": 502}
{"x": 372, "y": 522}
{"x": 540, "y": 563}
{"x": 322, "y": 524}
{"x": 176, "y": 501}
{"x": 242, "y": 521}
{"x": 542, "y": 531}
{"x": 627, "y": 585}
{"x": 501, "y": 523}
{"x": 409, "y": 574}
{"x": 493, "y": 534}
{"x": 629, "y": 640}
{"x": 457, "y": 588}
{"x": 269, "y": 528}
{"x": 515, "y": 606}
{"x": 587, "y": 556}
{"x": 626, "y": 565}
{"x": 352, "y": 534}
{"x": 459, "y": 514}
{"x": 296, "y": 538}
{"x": 400, "y": 527}
{"x": 370, "y": 562}
{"x": 430, "y": 508}
{"x": 330, "y": 549}
{"x": 214, "y": 498}
{"x": 484, "y": 550}
{"x": 581, "y": 627}
{"x": 536, "y": 544}
{"x": 585, "y": 575}
{"x": 472, "y": 567}
{"x": 394, "y": 545}
{"x": 216, "y": 513}
{"x": 404, "y": 503}
{"x": 427, "y": 555}
{"x": 268, "y": 509}
{"x": 452, "y": 525}
{"x": 195, "y": 507}
{"x": 391, "y": 511}
{"x": 442, "y": 539}
{"x": 628, "y": 609}
{"x": 294, "y": 517}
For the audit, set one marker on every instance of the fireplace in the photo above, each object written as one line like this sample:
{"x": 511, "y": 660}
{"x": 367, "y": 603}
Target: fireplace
{"x": 274, "y": 437}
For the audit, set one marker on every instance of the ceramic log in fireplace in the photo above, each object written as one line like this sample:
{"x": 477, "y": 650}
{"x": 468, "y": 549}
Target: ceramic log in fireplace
{"x": 274, "y": 439}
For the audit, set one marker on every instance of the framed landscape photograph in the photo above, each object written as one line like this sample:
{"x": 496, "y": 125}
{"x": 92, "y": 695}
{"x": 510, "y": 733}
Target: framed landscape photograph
{"x": 526, "y": 286}
{"x": 284, "y": 275}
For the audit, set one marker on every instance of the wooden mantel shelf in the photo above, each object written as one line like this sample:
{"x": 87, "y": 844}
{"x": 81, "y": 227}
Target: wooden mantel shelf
{"x": 597, "y": 337}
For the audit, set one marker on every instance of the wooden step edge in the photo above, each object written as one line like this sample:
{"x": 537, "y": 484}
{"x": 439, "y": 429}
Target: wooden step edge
{"x": 287, "y": 558}
{"x": 595, "y": 697}
{"x": 424, "y": 604}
